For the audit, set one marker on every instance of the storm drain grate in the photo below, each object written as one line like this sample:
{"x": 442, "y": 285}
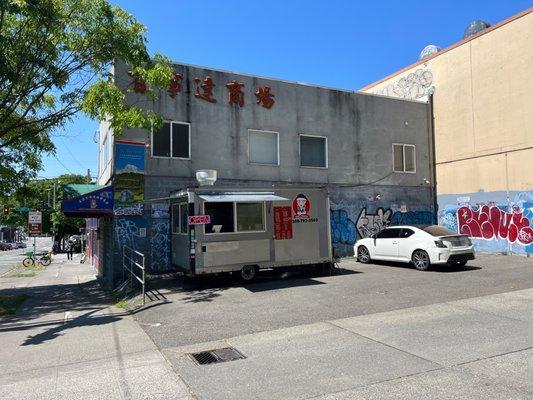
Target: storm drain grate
{"x": 217, "y": 356}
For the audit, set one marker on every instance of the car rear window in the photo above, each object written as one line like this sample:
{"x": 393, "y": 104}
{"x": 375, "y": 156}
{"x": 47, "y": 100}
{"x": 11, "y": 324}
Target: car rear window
{"x": 436, "y": 230}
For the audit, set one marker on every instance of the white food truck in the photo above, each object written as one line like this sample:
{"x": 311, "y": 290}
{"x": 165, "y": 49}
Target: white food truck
{"x": 216, "y": 230}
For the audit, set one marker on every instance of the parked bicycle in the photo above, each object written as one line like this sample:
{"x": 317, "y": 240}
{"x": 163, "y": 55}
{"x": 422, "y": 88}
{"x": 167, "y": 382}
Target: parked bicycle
{"x": 42, "y": 258}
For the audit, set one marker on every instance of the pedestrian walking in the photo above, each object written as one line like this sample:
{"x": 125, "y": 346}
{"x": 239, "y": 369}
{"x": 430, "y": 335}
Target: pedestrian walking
{"x": 70, "y": 249}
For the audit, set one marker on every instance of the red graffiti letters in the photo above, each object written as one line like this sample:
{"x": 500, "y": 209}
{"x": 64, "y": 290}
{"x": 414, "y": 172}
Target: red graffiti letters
{"x": 490, "y": 222}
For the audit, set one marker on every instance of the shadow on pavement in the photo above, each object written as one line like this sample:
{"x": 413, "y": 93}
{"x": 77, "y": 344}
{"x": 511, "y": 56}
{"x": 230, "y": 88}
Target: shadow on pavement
{"x": 208, "y": 287}
{"x": 433, "y": 268}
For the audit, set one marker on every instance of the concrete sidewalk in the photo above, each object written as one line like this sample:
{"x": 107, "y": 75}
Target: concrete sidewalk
{"x": 67, "y": 341}
{"x": 479, "y": 348}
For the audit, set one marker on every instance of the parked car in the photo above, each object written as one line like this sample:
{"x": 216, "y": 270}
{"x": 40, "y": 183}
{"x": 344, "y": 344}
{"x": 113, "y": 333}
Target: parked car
{"x": 6, "y": 246}
{"x": 420, "y": 246}
{"x": 21, "y": 245}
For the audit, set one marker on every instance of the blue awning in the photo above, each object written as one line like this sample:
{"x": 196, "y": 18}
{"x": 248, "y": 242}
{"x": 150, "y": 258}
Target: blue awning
{"x": 90, "y": 205}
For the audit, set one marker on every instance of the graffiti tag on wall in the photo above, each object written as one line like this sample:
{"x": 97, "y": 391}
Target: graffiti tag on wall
{"x": 368, "y": 224}
{"x": 159, "y": 245}
{"x": 491, "y": 222}
{"x": 413, "y": 86}
{"x": 342, "y": 228}
{"x": 412, "y": 218}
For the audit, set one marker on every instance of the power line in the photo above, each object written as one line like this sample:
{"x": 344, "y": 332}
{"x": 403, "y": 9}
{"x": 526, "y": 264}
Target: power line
{"x": 64, "y": 166}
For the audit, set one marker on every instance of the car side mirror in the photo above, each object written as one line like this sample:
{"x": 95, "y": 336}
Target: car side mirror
{"x": 374, "y": 236}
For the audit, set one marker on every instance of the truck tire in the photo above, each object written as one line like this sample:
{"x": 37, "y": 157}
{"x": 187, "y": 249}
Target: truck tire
{"x": 249, "y": 273}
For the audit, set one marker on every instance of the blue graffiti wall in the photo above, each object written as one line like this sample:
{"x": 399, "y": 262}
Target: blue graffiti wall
{"x": 477, "y": 214}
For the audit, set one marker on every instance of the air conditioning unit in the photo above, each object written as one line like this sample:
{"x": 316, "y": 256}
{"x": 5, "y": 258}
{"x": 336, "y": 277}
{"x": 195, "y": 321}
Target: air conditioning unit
{"x": 206, "y": 177}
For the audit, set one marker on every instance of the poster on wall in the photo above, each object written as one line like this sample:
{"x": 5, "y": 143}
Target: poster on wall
{"x": 282, "y": 223}
{"x": 160, "y": 210}
{"x": 129, "y": 178}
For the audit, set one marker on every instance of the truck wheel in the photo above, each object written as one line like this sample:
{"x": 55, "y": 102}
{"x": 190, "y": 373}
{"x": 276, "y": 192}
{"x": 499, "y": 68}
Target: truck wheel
{"x": 249, "y": 273}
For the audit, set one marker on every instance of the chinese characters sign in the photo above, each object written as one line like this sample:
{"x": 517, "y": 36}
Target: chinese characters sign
{"x": 282, "y": 223}
{"x": 204, "y": 90}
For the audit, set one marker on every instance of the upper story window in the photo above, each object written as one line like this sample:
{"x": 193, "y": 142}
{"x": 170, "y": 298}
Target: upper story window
{"x": 263, "y": 147}
{"x": 404, "y": 158}
{"x": 172, "y": 140}
{"x": 313, "y": 151}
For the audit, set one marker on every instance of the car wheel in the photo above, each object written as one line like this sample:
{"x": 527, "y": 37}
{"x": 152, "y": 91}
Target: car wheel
{"x": 363, "y": 255}
{"x": 420, "y": 260}
{"x": 249, "y": 273}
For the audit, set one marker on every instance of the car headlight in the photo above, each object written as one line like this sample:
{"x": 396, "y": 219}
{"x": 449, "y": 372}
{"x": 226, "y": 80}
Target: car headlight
{"x": 440, "y": 244}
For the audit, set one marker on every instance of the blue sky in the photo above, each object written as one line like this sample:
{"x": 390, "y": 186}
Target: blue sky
{"x": 336, "y": 43}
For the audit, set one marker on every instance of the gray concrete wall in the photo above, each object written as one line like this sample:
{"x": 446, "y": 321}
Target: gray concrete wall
{"x": 360, "y": 128}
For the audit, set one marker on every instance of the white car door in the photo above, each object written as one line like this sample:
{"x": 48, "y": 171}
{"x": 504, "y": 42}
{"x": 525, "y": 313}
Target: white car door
{"x": 405, "y": 244}
{"x": 386, "y": 244}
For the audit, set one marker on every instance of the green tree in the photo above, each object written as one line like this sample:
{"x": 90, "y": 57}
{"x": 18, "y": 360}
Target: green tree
{"x": 38, "y": 195}
{"x": 55, "y": 60}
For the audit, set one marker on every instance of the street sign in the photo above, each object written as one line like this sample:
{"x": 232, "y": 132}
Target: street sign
{"x": 35, "y": 223}
{"x": 199, "y": 219}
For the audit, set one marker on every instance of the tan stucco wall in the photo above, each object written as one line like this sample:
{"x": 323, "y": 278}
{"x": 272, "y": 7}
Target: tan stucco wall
{"x": 483, "y": 107}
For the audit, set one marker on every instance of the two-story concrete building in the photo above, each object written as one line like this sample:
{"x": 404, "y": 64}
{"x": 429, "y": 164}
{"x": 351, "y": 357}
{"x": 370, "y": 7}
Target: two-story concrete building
{"x": 374, "y": 154}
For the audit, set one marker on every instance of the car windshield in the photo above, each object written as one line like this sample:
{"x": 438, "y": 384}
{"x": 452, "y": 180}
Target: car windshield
{"x": 436, "y": 230}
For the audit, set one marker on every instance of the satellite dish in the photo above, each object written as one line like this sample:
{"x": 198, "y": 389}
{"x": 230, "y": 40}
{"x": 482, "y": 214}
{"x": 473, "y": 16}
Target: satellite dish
{"x": 428, "y": 50}
{"x": 475, "y": 27}
{"x": 206, "y": 176}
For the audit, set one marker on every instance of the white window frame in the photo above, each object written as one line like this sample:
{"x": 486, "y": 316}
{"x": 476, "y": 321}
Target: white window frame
{"x": 300, "y": 150}
{"x": 235, "y": 231}
{"x": 171, "y": 157}
{"x": 404, "y": 145}
{"x": 277, "y": 147}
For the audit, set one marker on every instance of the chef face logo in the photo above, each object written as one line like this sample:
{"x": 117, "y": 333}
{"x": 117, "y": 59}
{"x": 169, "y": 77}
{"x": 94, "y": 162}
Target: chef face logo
{"x": 301, "y": 206}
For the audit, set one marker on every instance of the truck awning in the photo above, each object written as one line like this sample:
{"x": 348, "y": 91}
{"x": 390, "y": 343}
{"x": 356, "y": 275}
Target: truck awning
{"x": 241, "y": 197}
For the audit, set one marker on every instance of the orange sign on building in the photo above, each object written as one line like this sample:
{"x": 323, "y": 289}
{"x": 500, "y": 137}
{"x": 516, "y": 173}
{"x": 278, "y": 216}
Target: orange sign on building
{"x": 264, "y": 97}
{"x": 204, "y": 90}
{"x": 235, "y": 95}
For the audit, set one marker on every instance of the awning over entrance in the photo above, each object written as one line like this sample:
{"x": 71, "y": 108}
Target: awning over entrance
{"x": 91, "y": 204}
{"x": 241, "y": 197}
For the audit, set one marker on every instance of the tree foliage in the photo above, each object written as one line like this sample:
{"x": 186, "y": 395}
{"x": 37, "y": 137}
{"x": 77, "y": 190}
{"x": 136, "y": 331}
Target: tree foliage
{"x": 55, "y": 60}
{"x": 38, "y": 195}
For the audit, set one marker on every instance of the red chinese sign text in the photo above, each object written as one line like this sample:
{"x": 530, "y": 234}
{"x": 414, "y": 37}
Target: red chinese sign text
{"x": 282, "y": 223}
{"x": 264, "y": 97}
{"x": 204, "y": 90}
{"x": 235, "y": 95}
{"x": 139, "y": 86}
{"x": 175, "y": 84}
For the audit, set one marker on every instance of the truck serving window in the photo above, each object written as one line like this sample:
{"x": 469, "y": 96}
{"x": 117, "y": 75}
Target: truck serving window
{"x": 250, "y": 217}
{"x": 221, "y": 217}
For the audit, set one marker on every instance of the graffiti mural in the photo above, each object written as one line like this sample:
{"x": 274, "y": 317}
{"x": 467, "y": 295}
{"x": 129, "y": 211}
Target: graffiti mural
{"x": 129, "y": 232}
{"x": 492, "y": 222}
{"x": 412, "y": 86}
{"x": 412, "y": 218}
{"x": 368, "y": 224}
{"x": 342, "y": 228}
{"x": 494, "y": 226}
{"x": 160, "y": 245}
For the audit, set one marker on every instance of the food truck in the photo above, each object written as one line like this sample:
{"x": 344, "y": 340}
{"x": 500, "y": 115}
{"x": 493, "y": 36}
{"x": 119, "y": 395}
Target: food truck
{"x": 216, "y": 230}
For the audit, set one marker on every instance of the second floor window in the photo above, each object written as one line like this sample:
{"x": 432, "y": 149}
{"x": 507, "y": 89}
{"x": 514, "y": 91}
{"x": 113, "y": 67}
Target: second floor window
{"x": 172, "y": 140}
{"x": 313, "y": 151}
{"x": 263, "y": 147}
{"x": 403, "y": 158}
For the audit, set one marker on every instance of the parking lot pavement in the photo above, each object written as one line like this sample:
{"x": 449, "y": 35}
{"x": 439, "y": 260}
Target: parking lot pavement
{"x": 197, "y": 311}
{"x": 451, "y": 350}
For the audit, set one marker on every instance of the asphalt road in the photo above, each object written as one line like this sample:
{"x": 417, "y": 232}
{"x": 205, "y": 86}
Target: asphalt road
{"x": 10, "y": 258}
{"x": 198, "y": 311}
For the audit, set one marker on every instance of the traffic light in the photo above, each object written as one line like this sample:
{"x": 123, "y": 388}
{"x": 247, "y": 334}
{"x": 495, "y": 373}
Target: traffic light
{"x": 7, "y": 209}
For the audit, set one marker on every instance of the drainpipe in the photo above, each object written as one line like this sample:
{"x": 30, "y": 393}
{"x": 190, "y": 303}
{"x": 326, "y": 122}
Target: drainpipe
{"x": 433, "y": 158}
